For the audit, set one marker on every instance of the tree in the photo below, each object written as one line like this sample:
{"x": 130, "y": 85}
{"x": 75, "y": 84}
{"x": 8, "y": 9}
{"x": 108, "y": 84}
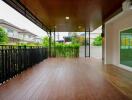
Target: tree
{"x": 68, "y": 39}
{"x": 75, "y": 40}
{"x": 81, "y": 40}
{"x": 3, "y": 36}
{"x": 97, "y": 41}
{"x": 46, "y": 41}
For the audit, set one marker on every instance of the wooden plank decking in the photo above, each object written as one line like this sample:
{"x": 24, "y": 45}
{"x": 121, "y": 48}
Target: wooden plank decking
{"x": 69, "y": 79}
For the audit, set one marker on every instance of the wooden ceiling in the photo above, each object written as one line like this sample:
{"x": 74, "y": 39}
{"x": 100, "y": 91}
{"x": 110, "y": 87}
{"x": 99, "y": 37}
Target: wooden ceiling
{"x": 82, "y": 13}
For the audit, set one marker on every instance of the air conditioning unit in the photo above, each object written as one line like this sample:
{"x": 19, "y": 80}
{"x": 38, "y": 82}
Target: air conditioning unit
{"x": 127, "y": 5}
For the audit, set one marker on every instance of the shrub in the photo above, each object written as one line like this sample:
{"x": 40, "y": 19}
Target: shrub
{"x": 3, "y": 36}
{"x": 46, "y": 41}
{"x": 97, "y": 41}
{"x": 67, "y": 50}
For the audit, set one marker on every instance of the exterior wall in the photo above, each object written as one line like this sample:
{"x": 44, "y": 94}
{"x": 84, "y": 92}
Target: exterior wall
{"x": 112, "y": 37}
{"x": 108, "y": 46}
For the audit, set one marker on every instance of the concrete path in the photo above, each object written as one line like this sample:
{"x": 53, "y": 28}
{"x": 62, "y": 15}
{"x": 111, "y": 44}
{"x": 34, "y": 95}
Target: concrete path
{"x": 95, "y": 51}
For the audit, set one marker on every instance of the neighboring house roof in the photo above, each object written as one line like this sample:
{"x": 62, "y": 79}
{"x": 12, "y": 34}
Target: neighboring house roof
{"x": 3, "y": 22}
{"x": 27, "y": 32}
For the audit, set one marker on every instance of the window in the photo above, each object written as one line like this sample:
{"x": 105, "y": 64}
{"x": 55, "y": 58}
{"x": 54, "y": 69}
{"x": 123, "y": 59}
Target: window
{"x": 126, "y": 47}
{"x": 10, "y": 30}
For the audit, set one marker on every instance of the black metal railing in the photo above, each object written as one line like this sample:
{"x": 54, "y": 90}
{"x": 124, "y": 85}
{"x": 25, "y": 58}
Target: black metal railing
{"x": 15, "y": 59}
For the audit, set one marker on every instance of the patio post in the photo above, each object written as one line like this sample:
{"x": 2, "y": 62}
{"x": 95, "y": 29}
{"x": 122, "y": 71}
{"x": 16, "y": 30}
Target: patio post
{"x": 89, "y": 41}
{"x": 50, "y": 43}
{"x": 85, "y": 42}
{"x": 54, "y": 44}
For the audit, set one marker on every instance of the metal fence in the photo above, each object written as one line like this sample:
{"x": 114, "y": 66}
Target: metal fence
{"x": 15, "y": 59}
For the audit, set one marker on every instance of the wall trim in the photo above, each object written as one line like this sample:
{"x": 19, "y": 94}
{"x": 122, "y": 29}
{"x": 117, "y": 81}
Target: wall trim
{"x": 125, "y": 67}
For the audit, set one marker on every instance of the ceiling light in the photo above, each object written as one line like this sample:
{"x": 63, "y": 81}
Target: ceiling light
{"x": 67, "y": 18}
{"x": 79, "y": 27}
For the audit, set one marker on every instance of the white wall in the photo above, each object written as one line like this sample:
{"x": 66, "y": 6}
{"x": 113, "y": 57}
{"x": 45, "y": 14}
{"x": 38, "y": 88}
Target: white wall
{"x": 112, "y": 36}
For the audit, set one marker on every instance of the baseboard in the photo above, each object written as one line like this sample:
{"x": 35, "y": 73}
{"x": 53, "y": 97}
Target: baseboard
{"x": 125, "y": 67}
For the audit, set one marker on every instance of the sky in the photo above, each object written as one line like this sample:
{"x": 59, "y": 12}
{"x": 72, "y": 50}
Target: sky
{"x": 98, "y": 30}
{"x": 12, "y": 16}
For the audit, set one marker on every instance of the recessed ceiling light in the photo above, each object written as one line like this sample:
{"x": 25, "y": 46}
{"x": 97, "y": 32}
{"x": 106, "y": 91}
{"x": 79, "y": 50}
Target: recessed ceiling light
{"x": 79, "y": 27}
{"x": 67, "y": 17}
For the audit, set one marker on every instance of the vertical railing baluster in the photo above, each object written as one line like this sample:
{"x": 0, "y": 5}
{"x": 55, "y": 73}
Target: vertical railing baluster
{"x": 19, "y": 59}
{"x": 6, "y": 64}
{"x": 11, "y": 68}
{"x": 2, "y": 67}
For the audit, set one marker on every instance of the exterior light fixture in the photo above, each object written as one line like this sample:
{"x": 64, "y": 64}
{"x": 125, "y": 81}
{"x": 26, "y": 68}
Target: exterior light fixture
{"x": 127, "y": 5}
{"x": 79, "y": 27}
{"x": 67, "y": 17}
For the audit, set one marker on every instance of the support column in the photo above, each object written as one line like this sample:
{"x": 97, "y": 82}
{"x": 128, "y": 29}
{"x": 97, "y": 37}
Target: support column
{"x": 103, "y": 42}
{"x": 89, "y": 41}
{"x": 54, "y": 44}
{"x": 85, "y": 42}
{"x": 50, "y": 43}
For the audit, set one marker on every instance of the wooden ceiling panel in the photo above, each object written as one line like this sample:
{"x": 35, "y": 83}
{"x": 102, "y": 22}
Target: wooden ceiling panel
{"x": 82, "y": 13}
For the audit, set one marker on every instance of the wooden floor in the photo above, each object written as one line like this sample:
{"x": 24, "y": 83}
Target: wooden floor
{"x": 69, "y": 79}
